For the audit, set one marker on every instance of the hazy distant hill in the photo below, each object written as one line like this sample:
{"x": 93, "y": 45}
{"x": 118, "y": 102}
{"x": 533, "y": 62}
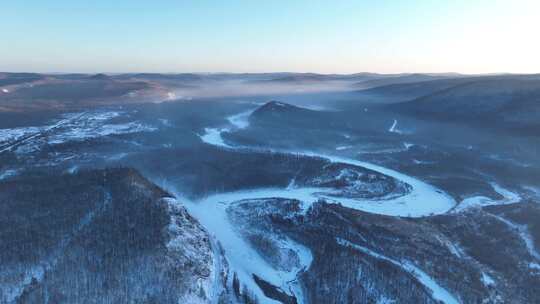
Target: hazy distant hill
{"x": 184, "y": 77}
{"x": 502, "y": 101}
{"x": 69, "y": 91}
{"x": 100, "y": 76}
{"x": 401, "y": 79}
{"x": 77, "y": 91}
{"x": 291, "y": 78}
{"x": 18, "y": 78}
{"x": 409, "y": 91}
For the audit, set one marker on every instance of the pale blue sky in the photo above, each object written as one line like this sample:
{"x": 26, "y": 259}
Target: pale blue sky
{"x": 475, "y": 36}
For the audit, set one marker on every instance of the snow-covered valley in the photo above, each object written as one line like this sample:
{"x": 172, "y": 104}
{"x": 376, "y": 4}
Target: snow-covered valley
{"x": 276, "y": 204}
{"x": 421, "y": 200}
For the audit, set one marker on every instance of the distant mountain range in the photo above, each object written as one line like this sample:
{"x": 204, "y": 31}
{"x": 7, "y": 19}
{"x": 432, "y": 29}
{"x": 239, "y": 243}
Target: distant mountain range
{"x": 505, "y": 100}
{"x": 498, "y": 101}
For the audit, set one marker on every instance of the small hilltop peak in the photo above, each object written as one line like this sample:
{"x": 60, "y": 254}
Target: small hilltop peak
{"x": 276, "y": 105}
{"x": 278, "y": 109}
{"x": 100, "y": 76}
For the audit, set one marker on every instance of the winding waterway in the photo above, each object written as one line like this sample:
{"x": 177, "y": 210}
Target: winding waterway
{"x": 422, "y": 200}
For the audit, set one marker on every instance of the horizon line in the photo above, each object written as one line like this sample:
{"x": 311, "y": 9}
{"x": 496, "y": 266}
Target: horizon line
{"x": 270, "y": 72}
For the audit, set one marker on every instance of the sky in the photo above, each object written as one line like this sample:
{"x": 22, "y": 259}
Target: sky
{"x": 474, "y": 36}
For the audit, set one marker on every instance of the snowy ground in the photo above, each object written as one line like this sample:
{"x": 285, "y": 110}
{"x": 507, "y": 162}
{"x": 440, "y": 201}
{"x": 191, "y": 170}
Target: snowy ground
{"x": 241, "y": 256}
{"x": 508, "y": 197}
{"x": 213, "y": 135}
{"x": 72, "y": 127}
{"x": 393, "y": 128}
{"x": 422, "y": 200}
{"x": 7, "y": 173}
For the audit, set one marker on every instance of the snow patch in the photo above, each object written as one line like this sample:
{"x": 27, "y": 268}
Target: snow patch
{"x": 73, "y": 169}
{"x": 240, "y": 121}
{"x": 171, "y": 95}
{"x": 513, "y": 161}
{"x": 534, "y": 266}
{"x": 81, "y": 133}
{"x": 7, "y": 173}
{"x": 408, "y": 145}
{"x": 487, "y": 280}
{"x": 72, "y": 127}
{"x": 212, "y": 136}
{"x": 423, "y": 162}
{"x": 340, "y": 148}
{"x": 117, "y": 156}
{"x": 509, "y": 197}
{"x": 455, "y": 249}
{"x": 8, "y": 135}
{"x": 394, "y": 129}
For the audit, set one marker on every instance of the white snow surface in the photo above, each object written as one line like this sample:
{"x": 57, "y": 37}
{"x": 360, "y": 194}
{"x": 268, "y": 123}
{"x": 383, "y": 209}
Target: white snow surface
{"x": 487, "y": 280}
{"x": 509, "y": 197}
{"x": 454, "y": 248}
{"x": 408, "y": 145}
{"x": 240, "y": 121}
{"x": 237, "y": 121}
{"x": 7, "y": 173}
{"x": 438, "y": 292}
{"x": 7, "y": 135}
{"x": 72, "y": 127}
{"x": 340, "y": 148}
{"x": 213, "y": 136}
{"x": 534, "y": 266}
{"x": 422, "y": 200}
{"x": 394, "y": 129}
{"x": 83, "y": 133}
{"x": 241, "y": 256}
{"x": 96, "y": 124}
